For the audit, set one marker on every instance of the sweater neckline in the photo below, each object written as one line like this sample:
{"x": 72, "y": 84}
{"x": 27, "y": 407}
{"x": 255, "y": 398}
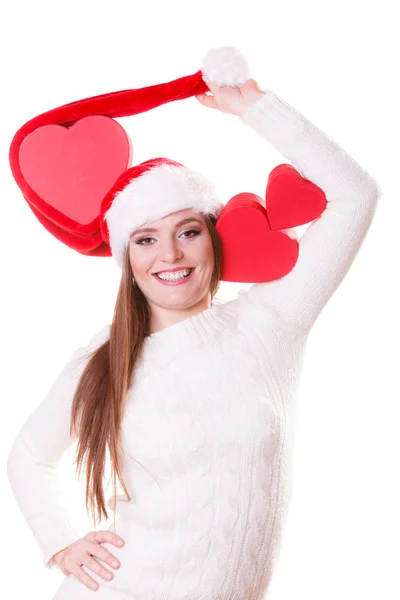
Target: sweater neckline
{"x": 164, "y": 345}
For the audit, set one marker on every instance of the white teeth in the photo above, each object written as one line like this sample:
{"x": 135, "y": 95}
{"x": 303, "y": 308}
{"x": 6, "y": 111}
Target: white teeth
{"x": 174, "y": 276}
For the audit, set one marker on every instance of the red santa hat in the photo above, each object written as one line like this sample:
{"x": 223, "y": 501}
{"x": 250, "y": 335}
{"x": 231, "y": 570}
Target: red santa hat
{"x": 91, "y": 199}
{"x": 140, "y": 194}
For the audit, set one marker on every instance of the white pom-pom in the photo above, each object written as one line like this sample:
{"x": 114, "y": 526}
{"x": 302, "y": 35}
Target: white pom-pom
{"x": 226, "y": 65}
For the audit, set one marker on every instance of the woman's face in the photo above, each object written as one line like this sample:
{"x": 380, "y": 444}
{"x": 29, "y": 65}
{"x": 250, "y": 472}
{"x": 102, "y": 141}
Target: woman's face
{"x": 173, "y": 245}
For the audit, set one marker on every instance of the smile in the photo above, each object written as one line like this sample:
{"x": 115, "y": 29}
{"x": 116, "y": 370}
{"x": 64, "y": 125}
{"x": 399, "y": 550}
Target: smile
{"x": 179, "y": 281}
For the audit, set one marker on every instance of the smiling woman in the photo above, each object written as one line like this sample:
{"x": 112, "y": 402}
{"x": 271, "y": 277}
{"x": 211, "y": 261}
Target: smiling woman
{"x": 170, "y": 250}
{"x": 195, "y": 403}
{"x": 173, "y": 249}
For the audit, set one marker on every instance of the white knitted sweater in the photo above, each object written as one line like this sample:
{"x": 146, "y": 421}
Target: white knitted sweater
{"x": 210, "y": 419}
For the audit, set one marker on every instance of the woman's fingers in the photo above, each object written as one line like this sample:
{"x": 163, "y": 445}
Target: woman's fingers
{"x": 83, "y": 577}
{"x": 83, "y": 553}
{"x": 224, "y": 98}
{"x": 96, "y": 567}
{"x": 104, "y": 535}
{"x": 209, "y": 100}
{"x": 75, "y": 558}
{"x": 231, "y": 99}
{"x": 95, "y": 549}
{"x": 206, "y": 100}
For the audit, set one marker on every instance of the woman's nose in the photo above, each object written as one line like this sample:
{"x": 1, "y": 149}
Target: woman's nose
{"x": 170, "y": 251}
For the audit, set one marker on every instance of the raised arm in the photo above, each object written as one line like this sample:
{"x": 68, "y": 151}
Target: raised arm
{"x": 331, "y": 242}
{"x": 32, "y": 464}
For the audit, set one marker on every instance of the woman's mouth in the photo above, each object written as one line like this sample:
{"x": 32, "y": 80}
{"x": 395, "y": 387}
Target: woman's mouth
{"x": 178, "y": 281}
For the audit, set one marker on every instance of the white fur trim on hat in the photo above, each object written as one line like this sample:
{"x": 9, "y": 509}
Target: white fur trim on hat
{"x": 156, "y": 193}
{"x": 226, "y": 65}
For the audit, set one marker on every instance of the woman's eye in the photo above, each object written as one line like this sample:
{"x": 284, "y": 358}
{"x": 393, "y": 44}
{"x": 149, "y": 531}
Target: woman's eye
{"x": 195, "y": 231}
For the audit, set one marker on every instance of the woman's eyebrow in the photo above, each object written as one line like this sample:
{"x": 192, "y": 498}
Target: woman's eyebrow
{"x": 151, "y": 229}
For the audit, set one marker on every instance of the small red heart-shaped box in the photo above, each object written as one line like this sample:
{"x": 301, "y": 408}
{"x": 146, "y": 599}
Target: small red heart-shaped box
{"x": 291, "y": 199}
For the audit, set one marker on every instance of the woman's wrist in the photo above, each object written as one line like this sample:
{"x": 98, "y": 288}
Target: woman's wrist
{"x": 254, "y": 97}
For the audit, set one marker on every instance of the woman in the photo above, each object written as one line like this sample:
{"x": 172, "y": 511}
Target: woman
{"x": 198, "y": 411}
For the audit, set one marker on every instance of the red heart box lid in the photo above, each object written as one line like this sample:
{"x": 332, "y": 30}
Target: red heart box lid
{"x": 71, "y": 169}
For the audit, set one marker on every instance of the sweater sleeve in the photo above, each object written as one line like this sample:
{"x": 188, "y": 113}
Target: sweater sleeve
{"x": 330, "y": 243}
{"x": 32, "y": 464}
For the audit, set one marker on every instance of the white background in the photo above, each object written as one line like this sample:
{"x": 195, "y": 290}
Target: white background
{"x": 337, "y": 63}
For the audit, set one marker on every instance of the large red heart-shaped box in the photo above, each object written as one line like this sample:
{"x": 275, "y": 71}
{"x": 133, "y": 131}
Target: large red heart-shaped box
{"x": 251, "y": 250}
{"x": 70, "y": 169}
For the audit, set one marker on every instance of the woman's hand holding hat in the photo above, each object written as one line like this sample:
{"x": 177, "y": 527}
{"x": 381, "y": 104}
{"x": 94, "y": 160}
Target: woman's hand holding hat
{"x": 232, "y": 100}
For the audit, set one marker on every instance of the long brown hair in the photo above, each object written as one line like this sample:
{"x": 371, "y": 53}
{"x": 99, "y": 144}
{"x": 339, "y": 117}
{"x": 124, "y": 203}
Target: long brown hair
{"x": 99, "y": 399}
